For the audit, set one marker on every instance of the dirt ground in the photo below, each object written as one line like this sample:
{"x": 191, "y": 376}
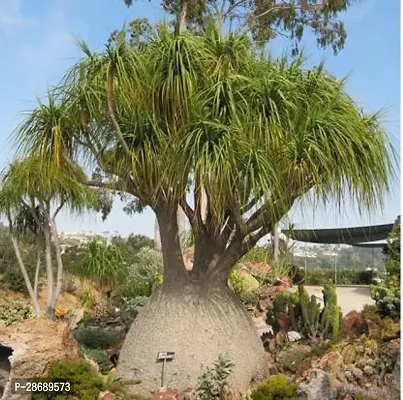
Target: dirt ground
{"x": 348, "y": 297}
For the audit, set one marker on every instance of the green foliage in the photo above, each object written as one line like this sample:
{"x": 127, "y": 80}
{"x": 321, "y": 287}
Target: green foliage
{"x": 130, "y": 309}
{"x": 361, "y": 396}
{"x": 392, "y": 252}
{"x": 102, "y": 263}
{"x": 99, "y": 356}
{"x": 275, "y": 388}
{"x": 387, "y": 294}
{"x": 13, "y": 280}
{"x": 142, "y": 275}
{"x": 85, "y": 383}
{"x": 182, "y": 112}
{"x": 245, "y": 286}
{"x": 95, "y": 338}
{"x": 387, "y": 298}
{"x": 212, "y": 382}
{"x": 15, "y": 312}
{"x": 306, "y": 315}
{"x": 88, "y": 300}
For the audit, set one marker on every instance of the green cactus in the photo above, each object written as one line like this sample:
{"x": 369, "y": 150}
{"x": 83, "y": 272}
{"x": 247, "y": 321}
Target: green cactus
{"x": 293, "y": 320}
{"x": 306, "y": 315}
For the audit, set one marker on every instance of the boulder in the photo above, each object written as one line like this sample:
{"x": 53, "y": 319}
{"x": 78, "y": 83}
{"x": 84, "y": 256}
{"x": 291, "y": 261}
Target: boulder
{"x": 106, "y": 396}
{"x": 36, "y": 343}
{"x": 333, "y": 363}
{"x": 292, "y": 358}
{"x": 353, "y": 325}
{"x": 318, "y": 387}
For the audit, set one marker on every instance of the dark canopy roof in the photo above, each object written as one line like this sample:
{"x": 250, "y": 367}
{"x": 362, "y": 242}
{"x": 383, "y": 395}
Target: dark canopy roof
{"x": 353, "y": 236}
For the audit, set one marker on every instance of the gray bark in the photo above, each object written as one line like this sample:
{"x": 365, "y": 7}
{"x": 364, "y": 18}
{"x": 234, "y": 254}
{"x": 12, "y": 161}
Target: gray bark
{"x": 49, "y": 275}
{"x": 157, "y": 236}
{"x": 36, "y": 281}
{"x": 24, "y": 272}
{"x": 198, "y": 323}
{"x": 59, "y": 278}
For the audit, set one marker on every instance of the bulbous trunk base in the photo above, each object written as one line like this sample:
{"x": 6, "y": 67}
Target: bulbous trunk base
{"x": 198, "y": 324}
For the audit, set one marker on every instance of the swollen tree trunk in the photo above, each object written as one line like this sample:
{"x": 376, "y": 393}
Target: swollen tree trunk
{"x": 24, "y": 272}
{"x": 199, "y": 320}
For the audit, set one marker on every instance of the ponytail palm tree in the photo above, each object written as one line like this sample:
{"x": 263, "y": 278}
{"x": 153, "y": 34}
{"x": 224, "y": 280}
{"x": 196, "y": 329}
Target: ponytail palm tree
{"x": 179, "y": 114}
{"x": 31, "y": 196}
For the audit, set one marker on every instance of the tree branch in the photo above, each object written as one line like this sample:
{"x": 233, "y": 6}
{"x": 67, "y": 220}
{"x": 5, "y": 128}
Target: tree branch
{"x": 111, "y": 111}
{"x": 188, "y": 211}
{"x": 58, "y": 209}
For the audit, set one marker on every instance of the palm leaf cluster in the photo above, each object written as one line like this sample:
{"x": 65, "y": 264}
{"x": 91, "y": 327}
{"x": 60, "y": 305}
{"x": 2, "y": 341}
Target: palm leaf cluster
{"x": 182, "y": 112}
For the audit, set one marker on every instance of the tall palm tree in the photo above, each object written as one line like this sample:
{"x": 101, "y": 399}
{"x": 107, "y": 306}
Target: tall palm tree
{"x": 181, "y": 113}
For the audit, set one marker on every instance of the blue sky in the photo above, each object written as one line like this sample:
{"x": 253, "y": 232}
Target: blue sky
{"x": 38, "y": 42}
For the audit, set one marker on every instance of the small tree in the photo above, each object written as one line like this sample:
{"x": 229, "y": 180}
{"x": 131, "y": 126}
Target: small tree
{"x": 31, "y": 198}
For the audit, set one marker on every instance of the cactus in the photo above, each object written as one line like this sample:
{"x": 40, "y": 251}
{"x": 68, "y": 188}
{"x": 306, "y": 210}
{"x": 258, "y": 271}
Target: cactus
{"x": 306, "y": 315}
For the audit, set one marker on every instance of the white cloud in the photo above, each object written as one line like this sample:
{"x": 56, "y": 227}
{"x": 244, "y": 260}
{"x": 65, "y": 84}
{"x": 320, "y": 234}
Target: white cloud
{"x": 48, "y": 55}
{"x": 11, "y": 16}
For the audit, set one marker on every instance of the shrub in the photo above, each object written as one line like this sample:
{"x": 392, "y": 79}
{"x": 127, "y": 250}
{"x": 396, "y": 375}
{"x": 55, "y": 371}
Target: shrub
{"x": 212, "y": 382}
{"x": 85, "y": 383}
{"x": 99, "y": 356}
{"x": 15, "y": 312}
{"x": 13, "y": 280}
{"x": 245, "y": 286}
{"x": 141, "y": 276}
{"x": 387, "y": 298}
{"x": 387, "y": 295}
{"x": 275, "y": 388}
{"x": 95, "y": 338}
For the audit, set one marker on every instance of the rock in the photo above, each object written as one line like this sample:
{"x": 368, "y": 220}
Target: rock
{"x": 75, "y": 318}
{"x": 293, "y": 336}
{"x": 353, "y": 325}
{"x": 290, "y": 359}
{"x": 106, "y": 396}
{"x": 166, "y": 394}
{"x": 332, "y": 362}
{"x": 70, "y": 287}
{"x": 36, "y": 343}
{"x": 319, "y": 387}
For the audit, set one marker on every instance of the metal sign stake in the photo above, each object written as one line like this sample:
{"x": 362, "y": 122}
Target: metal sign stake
{"x": 163, "y": 372}
{"x": 164, "y": 357}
